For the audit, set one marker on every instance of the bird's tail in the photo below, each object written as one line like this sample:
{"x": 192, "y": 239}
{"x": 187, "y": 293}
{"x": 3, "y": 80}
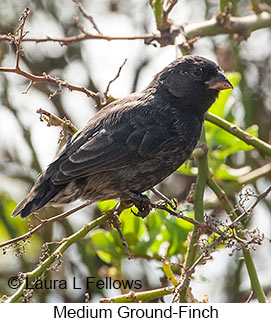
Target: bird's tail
{"x": 41, "y": 193}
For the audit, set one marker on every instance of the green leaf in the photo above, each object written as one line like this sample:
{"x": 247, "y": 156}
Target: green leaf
{"x": 225, "y": 144}
{"x": 131, "y": 223}
{"x": 105, "y": 256}
{"x": 178, "y": 230}
{"x": 101, "y": 238}
{"x": 157, "y": 7}
{"x": 105, "y": 246}
{"x": 189, "y": 169}
{"x": 106, "y": 205}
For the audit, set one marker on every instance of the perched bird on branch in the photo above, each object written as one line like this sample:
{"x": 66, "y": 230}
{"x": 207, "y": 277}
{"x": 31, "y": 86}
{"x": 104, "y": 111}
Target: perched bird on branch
{"x": 133, "y": 143}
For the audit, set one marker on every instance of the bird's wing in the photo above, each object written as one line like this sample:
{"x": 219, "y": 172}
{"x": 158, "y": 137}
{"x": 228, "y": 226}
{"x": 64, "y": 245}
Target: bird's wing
{"x": 118, "y": 141}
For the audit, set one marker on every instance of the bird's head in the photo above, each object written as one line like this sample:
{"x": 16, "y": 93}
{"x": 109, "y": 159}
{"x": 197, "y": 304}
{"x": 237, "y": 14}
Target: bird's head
{"x": 194, "y": 79}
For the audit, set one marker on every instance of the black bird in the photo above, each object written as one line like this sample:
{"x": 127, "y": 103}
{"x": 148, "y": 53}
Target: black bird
{"x": 133, "y": 143}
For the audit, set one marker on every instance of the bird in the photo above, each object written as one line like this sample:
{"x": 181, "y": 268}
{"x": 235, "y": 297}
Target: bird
{"x": 133, "y": 143}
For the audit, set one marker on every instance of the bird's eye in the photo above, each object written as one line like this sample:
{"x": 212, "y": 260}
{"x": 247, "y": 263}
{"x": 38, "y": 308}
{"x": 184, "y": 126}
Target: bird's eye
{"x": 198, "y": 71}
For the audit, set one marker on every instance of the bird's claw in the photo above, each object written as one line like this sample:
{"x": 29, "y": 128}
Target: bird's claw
{"x": 165, "y": 203}
{"x": 142, "y": 211}
{"x": 174, "y": 204}
{"x": 142, "y": 203}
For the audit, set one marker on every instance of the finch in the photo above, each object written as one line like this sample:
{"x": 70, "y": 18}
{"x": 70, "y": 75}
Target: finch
{"x": 133, "y": 143}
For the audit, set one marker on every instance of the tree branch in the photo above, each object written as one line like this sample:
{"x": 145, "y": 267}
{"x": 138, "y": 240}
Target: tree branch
{"x": 259, "y": 144}
{"x": 183, "y": 285}
{"x": 43, "y": 223}
{"x": 64, "y": 245}
{"x": 199, "y": 216}
{"x": 20, "y": 35}
{"x": 235, "y": 25}
{"x": 53, "y": 120}
{"x": 45, "y": 78}
{"x": 139, "y": 297}
{"x": 231, "y": 211}
{"x": 113, "y": 80}
{"x": 251, "y": 208}
{"x": 86, "y": 15}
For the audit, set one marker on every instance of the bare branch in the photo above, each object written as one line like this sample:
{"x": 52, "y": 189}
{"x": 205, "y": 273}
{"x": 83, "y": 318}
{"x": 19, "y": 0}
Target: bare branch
{"x": 235, "y": 25}
{"x": 87, "y": 15}
{"x": 47, "y": 264}
{"x": 187, "y": 276}
{"x": 81, "y": 37}
{"x": 114, "y": 79}
{"x": 114, "y": 220}
{"x": 163, "y": 206}
{"x": 79, "y": 25}
{"x": 171, "y": 203}
{"x": 27, "y": 88}
{"x": 168, "y": 10}
{"x": 20, "y": 35}
{"x": 241, "y": 27}
{"x": 251, "y": 208}
{"x": 45, "y": 78}
{"x": 43, "y": 223}
{"x": 250, "y": 297}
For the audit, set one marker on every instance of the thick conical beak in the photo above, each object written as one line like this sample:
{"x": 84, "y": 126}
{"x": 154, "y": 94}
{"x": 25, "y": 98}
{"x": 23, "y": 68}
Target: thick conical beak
{"x": 220, "y": 82}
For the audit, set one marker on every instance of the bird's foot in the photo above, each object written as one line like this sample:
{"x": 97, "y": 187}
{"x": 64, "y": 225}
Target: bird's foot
{"x": 165, "y": 201}
{"x": 141, "y": 202}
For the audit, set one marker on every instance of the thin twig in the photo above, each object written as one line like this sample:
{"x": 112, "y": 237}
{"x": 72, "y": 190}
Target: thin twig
{"x": 114, "y": 79}
{"x": 114, "y": 220}
{"x": 252, "y": 207}
{"x": 250, "y": 297}
{"x": 81, "y": 37}
{"x": 253, "y": 275}
{"x": 45, "y": 78}
{"x": 171, "y": 203}
{"x": 162, "y": 206}
{"x": 20, "y": 35}
{"x": 186, "y": 277}
{"x": 133, "y": 297}
{"x": 27, "y": 88}
{"x": 238, "y": 25}
{"x": 80, "y": 25}
{"x": 55, "y": 256}
{"x": 53, "y": 120}
{"x": 168, "y": 10}
{"x": 43, "y": 223}
{"x": 87, "y": 15}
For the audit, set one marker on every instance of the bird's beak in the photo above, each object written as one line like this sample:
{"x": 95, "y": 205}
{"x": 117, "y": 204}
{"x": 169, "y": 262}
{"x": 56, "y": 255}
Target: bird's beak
{"x": 220, "y": 82}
